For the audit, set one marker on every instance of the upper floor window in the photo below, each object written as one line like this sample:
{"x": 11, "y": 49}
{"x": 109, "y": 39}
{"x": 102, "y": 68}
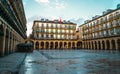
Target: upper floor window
{"x": 114, "y": 31}
{"x": 114, "y": 22}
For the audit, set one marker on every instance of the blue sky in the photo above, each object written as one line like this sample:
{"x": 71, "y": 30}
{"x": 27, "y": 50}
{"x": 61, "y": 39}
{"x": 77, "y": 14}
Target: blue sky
{"x": 74, "y": 10}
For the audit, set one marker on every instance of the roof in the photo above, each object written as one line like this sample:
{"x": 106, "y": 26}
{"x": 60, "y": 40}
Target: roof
{"x": 101, "y": 16}
{"x": 55, "y": 21}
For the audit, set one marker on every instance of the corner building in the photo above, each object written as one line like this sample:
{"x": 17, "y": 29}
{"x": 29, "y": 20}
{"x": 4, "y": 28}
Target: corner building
{"x": 102, "y": 32}
{"x": 54, "y": 34}
{"x": 12, "y": 25}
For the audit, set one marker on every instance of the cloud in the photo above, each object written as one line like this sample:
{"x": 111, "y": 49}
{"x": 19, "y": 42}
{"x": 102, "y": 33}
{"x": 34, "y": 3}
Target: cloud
{"x": 78, "y": 21}
{"x": 30, "y": 23}
{"x": 52, "y": 4}
{"x": 42, "y": 1}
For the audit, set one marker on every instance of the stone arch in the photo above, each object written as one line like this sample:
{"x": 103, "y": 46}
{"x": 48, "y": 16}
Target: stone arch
{"x": 69, "y": 45}
{"x": 92, "y": 45}
{"x": 10, "y": 42}
{"x": 47, "y": 45}
{"x": 65, "y": 44}
{"x": 86, "y": 45}
{"x": 42, "y": 45}
{"x": 89, "y": 45}
{"x": 51, "y": 45}
{"x": 79, "y": 44}
{"x": 56, "y": 45}
{"x": 103, "y": 45}
{"x": 73, "y": 45}
{"x": 99, "y": 45}
{"x": 6, "y": 42}
{"x": 118, "y": 42}
{"x": 95, "y": 45}
{"x": 61, "y": 44}
{"x": 1, "y": 29}
{"x": 37, "y": 45}
{"x": 108, "y": 44}
{"x": 1, "y": 39}
{"x": 113, "y": 44}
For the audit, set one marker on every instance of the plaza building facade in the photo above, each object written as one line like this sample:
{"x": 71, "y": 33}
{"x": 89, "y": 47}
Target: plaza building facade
{"x": 54, "y": 34}
{"x": 102, "y": 32}
{"x": 12, "y": 25}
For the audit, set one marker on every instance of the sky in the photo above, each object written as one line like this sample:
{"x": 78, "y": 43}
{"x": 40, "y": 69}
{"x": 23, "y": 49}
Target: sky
{"x": 76, "y": 11}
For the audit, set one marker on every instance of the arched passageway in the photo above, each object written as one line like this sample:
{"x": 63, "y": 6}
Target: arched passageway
{"x": 65, "y": 45}
{"x": 1, "y": 29}
{"x": 42, "y": 45}
{"x": 79, "y": 45}
{"x": 51, "y": 45}
{"x": 6, "y": 42}
{"x": 61, "y": 45}
{"x": 108, "y": 44}
{"x": 113, "y": 45}
{"x": 56, "y": 45}
{"x": 37, "y": 45}
{"x": 47, "y": 45}
{"x": 99, "y": 45}
{"x": 73, "y": 45}
{"x": 69, "y": 45}
{"x": 1, "y": 39}
{"x": 95, "y": 45}
{"x": 103, "y": 45}
{"x": 92, "y": 46}
{"x": 89, "y": 45}
{"x": 86, "y": 45}
{"x": 118, "y": 42}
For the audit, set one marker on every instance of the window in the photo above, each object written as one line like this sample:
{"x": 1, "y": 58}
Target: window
{"x": 44, "y": 35}
{"x": 63, "y": 31}
{"x": 71, "y": 37}
{"x": 108, "y": 25}
{"x": 49, "y": 30}
{"x": 63, "y": 36}
{"x": 52, "y": 36}
{"x": 49, "y": 25}
{"x": 47, "y": 36}
{"x": 104, "y": 26}
{"x": 58, "y": 31}
{"x": 63, "y": 26}
{"x": 45, "y": 30}
{"x": 114, "y": 22}
{"x": 104, "y": 33}
{"x": 67, "y": 36}
{"x": 54, "y": 30}
{"x": 40, "y": 25}
{"x": 58, "y": 36}
{"x": 67, "y": 31}
{"x": 54, "y": 25}
{"x": 39, "y": 35}
{"x": 119, "y": 21}
{"x": 71, "y": 31}
{"x": 45, "y": 25}
{"x": 58, "y": 25}
{"x": 114, "y": 31}
{"x": 119, "y": 30}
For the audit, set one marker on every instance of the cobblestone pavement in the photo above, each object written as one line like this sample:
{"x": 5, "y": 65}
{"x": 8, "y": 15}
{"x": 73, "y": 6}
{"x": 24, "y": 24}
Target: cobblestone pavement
{"x": 11, "y": 63}
{"x": 71, "y": 62}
